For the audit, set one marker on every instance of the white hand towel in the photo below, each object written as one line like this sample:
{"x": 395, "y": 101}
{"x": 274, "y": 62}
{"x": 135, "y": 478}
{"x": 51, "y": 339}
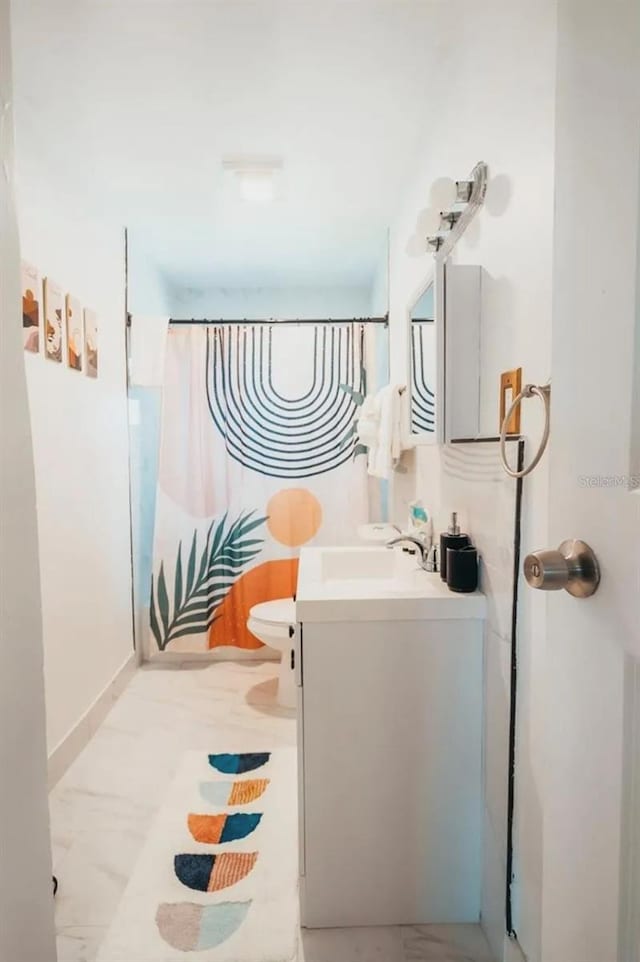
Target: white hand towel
{"x": 385, "y": 451}
{"x": 368, "y": 426}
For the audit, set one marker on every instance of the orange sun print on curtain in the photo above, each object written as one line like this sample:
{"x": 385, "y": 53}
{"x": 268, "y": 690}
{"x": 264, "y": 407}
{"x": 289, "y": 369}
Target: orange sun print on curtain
{"x": 294, "y": 516}
{"x": 271, "y": 579}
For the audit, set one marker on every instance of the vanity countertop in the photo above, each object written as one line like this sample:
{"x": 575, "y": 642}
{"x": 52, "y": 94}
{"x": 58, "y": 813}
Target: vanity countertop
{"x": 376, "y": 584}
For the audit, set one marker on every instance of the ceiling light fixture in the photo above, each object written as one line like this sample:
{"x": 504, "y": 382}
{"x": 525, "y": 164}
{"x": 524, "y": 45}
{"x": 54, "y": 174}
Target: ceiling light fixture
{"x": 255, "y": 178}
{"x": 256, "y": 186}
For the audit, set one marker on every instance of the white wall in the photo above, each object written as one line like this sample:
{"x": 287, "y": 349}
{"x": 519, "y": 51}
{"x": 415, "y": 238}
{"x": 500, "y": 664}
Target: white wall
{"x": 26, "y": 904}
{"x": 147, "y": 288}
{"x": 471, "y": 478}
{"x": 81, "y": 455}
{"x": 265, "y": 302}
{"x": 496, "y": 99}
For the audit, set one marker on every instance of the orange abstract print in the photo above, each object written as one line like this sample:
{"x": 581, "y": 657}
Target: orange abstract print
{"x": 294, "y": 516}
{"x": 265, "y": 582}
{"x": 247, "y": 791}
{"x": 219, "y": 829}
{"x": 229, "y": 868}
{"x": 207, "y": 828}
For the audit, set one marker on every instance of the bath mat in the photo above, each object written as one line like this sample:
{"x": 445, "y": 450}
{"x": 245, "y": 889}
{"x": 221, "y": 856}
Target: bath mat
{"x": 238, "y": 763}
{"x": 216, "y": 901}
{"x": 221, "y": 829}
{"x": 210, "y": 873}
{"x": 242, "y": 792}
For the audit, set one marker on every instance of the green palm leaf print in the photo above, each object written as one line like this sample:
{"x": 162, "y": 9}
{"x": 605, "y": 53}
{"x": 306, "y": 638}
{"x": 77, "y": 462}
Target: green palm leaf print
{"x": 199, "y": 588}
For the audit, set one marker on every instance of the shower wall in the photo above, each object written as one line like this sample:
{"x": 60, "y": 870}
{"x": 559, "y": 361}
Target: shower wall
{"x": 145, "y": 405}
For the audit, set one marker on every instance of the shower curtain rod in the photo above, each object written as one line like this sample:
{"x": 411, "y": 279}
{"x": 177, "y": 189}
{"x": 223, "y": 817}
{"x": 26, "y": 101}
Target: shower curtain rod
{"x": 288, "y": 320}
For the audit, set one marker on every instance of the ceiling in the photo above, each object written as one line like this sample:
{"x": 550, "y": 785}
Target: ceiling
{"x": 136, "y": 103}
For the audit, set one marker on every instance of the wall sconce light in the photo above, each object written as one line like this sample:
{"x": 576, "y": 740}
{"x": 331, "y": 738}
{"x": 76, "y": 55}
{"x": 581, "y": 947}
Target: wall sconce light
{"x": 435, "y": 243}
{"x": 466, "y": 196}
{"x": 449, "y": 218}
{"x": 464, "y": 190}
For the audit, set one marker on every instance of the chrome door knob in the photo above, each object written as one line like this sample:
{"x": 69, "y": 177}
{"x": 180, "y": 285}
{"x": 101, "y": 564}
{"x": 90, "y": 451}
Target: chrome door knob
{"x": 573, "y": 567}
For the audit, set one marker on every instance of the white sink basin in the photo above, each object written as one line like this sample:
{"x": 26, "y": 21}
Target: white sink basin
{"x": 341, "y": 564}
{"x": 372, "y": 584}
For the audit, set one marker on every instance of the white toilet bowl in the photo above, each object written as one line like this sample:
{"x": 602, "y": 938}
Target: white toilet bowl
{"x": 271, "y": 622}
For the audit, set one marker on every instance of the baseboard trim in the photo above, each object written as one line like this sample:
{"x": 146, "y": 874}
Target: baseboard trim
{"x": 68, "y": 749}
{"x": 224, "y": 653}
{"x": 513, "y": 950}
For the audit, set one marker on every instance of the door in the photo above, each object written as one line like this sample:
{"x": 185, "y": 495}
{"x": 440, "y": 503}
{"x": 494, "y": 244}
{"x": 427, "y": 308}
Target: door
{"x": 26, "y": 903}
{"x": 593, "y": 645}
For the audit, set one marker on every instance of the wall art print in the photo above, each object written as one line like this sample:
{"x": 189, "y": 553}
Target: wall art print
{"x": 75, "y": 333}
{"x": 91, "y": 342}
{"x": 53, "y": 319}
{"x": 31, "y": 307}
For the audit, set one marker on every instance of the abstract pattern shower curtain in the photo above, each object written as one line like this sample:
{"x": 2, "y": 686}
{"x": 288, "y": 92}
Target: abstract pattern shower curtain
{"x": 423, "y": 355}
{"x": 257, "y": 459}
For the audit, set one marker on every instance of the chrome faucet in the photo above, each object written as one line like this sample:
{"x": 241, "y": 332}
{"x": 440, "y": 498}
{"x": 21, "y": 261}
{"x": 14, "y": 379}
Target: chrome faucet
{"x": 427, "y": 550}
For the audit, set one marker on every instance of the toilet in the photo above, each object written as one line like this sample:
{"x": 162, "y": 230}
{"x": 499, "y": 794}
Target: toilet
{"x": 273, "y": 623}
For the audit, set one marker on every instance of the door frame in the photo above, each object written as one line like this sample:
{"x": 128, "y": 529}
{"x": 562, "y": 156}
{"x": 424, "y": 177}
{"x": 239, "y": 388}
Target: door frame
{"x": 630, "y": 868}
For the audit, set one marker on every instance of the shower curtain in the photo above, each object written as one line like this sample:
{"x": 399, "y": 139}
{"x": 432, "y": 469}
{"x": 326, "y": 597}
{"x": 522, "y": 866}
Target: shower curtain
{"x": 257, "y": 459}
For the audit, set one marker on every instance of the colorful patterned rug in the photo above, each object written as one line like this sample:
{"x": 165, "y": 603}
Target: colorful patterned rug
{"x": 217, "y": 878}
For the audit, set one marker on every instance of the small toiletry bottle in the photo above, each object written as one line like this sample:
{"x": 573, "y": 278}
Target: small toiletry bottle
{"x": 452, "y": 538}
{"x": 418, "y": 515}
{"x": 420, "y": 522}
{"x": 462, "y": 569}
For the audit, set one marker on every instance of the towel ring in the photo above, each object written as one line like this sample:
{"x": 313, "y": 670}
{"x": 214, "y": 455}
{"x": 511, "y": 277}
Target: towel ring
{"x": 529, "y": 390}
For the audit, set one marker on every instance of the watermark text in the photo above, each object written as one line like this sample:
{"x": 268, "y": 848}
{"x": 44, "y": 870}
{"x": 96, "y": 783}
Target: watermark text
{"x": 629, "y": 481}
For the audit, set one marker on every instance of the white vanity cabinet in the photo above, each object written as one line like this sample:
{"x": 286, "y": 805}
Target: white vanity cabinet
{"x": 390, "y": 729}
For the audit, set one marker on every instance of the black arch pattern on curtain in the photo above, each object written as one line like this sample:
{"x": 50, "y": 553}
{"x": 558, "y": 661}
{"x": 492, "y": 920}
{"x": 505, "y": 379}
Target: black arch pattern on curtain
{"x": 278, "y": 436}
{"x": 423, "y": 399}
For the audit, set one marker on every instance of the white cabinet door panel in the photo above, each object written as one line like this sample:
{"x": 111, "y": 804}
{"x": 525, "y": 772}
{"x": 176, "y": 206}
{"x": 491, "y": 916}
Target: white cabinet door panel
{"x": 392, "y": 772}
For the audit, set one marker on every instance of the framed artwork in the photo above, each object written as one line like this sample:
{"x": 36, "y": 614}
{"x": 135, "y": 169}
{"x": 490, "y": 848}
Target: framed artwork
{"x": 91, "y": 342}
{"x": 75, "y": 333}
{"x": 30, "y": 307}
{"x": 53, "y": 319}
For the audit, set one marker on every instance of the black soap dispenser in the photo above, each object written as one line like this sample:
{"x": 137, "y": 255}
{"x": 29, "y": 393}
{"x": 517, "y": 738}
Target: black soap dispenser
{"x": 452, "y": 538}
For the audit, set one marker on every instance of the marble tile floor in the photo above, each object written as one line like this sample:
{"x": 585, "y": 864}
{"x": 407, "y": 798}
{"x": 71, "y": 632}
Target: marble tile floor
{"x": 102, "y": 808}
